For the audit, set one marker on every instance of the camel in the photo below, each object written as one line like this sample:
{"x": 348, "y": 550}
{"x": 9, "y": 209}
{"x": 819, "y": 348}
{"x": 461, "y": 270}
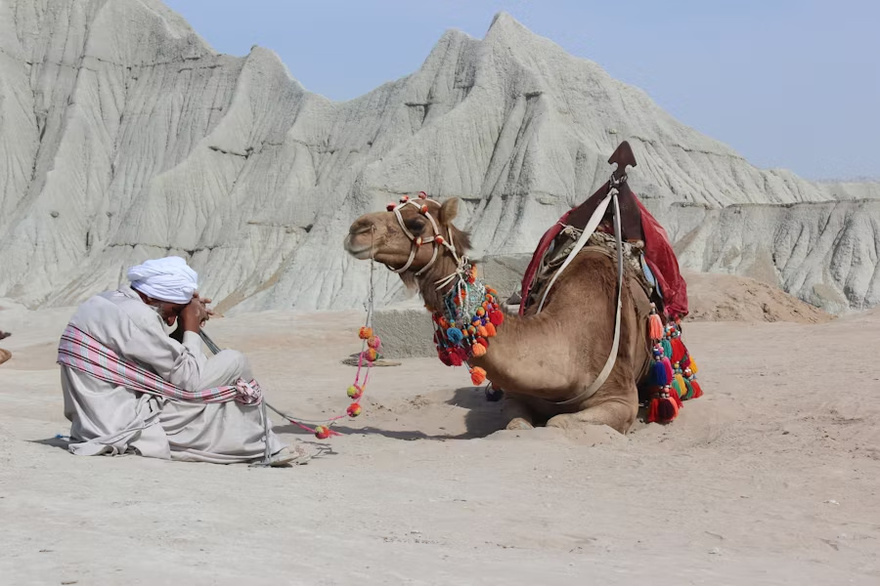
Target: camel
{"x": 550, "y": 361}
{"x": 4, "y": 355}
{"x": 539, "y": 360}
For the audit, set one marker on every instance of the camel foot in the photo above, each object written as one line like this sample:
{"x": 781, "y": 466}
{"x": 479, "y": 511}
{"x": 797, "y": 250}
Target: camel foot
{"x": 519, "y": 424}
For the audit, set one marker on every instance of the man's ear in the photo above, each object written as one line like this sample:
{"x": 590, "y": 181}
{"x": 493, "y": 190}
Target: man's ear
{"x": 449, "y": 210}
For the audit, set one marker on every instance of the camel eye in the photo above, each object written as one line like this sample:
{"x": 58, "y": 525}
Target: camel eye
{"x": 415, "y": 225}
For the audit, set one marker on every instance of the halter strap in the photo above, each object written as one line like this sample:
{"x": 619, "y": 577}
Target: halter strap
{"x": 418, "y": 241}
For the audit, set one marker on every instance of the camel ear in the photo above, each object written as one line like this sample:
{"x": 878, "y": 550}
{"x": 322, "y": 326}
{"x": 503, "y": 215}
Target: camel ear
{"x": 449, "y": 210}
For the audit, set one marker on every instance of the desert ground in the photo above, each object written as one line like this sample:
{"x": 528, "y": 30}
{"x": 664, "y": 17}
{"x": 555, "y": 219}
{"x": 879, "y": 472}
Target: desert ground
{"x": 770, "y": 478}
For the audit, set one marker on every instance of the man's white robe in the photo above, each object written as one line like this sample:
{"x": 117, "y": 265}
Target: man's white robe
{"x": 110, "y": 419}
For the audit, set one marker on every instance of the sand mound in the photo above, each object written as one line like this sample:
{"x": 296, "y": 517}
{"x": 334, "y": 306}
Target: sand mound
{"x": 715, "y": 297}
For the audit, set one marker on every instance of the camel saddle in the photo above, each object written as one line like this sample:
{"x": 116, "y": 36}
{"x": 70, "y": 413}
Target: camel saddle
{"x": 558, "y": 242}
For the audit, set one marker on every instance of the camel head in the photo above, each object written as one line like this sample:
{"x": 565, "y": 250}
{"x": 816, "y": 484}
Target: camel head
{"x": 412, "y": 238}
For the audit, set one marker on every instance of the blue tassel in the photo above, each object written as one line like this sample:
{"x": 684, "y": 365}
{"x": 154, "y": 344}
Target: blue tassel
{"x": 659, "y": 376}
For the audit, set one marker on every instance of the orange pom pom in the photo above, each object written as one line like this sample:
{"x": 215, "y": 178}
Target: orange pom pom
{"x": 490, "y": 330}
{"x": 479, "y": 350}
{"x": 478, "y": 376}
{"x": 365, "y": 333}
{"x": 354, "y": 410}
{"x": 482, "y": 331}
{"x": 372, "y": 355}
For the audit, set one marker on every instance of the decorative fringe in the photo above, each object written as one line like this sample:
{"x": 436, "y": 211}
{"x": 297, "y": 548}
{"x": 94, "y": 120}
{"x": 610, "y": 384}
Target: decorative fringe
{"x": 671, "y": 374}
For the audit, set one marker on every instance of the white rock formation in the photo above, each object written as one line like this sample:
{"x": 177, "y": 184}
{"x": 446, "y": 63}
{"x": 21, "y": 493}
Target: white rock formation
{"x": 123, "y": 135}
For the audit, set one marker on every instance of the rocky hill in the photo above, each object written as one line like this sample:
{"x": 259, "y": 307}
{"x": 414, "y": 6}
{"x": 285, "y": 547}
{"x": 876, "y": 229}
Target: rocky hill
{"x": 123, "y": 135}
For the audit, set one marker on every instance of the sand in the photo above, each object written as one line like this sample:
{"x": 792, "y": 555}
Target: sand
{"x": 771, "y": 478}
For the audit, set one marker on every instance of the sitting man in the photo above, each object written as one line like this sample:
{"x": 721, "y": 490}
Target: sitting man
{"x": 130, "y": 387}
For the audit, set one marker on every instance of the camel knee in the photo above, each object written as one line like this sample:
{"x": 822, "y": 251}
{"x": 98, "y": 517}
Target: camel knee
{"x": 619, "y": 416}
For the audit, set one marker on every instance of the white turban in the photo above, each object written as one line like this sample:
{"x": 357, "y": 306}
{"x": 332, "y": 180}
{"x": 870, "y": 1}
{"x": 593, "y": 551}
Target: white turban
{"x": 166, "y": 279}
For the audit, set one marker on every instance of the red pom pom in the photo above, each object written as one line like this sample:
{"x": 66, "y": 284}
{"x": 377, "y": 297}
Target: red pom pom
{"x": 354, "y": 410}
{"x": 496, "y": 317}
{"x": 455, "y": 359}
{"x": 322, "y": 432}
{"x": 423, "y": 195}
{"x": 390, "y": 207}
{"x": 424, "y": 209}
{"x": 439, "y": 239}
{"x": 404, "y": 199}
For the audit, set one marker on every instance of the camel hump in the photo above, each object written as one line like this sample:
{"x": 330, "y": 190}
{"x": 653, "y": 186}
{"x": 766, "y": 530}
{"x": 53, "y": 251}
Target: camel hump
{"x": 623, "y": 156}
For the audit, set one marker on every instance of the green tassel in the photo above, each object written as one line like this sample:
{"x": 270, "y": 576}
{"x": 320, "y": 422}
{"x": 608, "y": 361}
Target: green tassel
{"x": 690, "y": 390}
{"x": 667, "y": 348}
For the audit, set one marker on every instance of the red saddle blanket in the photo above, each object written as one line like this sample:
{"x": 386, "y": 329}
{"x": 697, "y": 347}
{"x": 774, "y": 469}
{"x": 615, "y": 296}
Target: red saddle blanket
{"x": 659, "y": 257}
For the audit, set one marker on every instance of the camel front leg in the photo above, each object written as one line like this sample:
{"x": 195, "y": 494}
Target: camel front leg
{"x": 618, "y": 414}
{"x": 519, "y": 413}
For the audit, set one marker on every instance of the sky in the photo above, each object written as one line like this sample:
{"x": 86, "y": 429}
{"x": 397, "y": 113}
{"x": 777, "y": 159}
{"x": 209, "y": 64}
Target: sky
{"x": 787, "y": 84}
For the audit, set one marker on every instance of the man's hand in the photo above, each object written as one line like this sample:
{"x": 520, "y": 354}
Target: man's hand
{"x": 195, "y": 314}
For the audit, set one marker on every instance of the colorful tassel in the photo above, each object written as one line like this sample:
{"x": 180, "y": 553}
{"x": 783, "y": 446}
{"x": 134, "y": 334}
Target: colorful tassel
{"x": 667, "y": 347}
{"x": 693, "y": 366}
{"x": 669, "y": 370}
{"x": 678, "y": 385}
{"x": 678, "y": 350}
{"x": 478, "y": 349}
{"x": 689, "y": 390}
{"x": 664, "y": 406}
{"x": 655, "y": 327}
{"x": 659, "y": 377}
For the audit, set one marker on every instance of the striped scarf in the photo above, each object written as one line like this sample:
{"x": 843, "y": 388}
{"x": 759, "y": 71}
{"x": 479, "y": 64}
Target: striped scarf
{"x": 80, "y": 351}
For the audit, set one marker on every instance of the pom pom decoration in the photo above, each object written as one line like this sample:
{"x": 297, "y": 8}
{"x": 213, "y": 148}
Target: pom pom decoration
{"x": 365, "y": 333}
{"x": 423, "y": 195}
{"x": 478, "y": 350}
{"x": 353, "y": 410}
{"x": 322, "y": 432}
{"x": 355, "y": 392}
{"x": 478, "y": 376}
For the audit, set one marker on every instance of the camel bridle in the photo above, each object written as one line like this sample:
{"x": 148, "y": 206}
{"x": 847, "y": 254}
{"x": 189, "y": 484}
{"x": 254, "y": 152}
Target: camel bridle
{"x": 436, "y": 239}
